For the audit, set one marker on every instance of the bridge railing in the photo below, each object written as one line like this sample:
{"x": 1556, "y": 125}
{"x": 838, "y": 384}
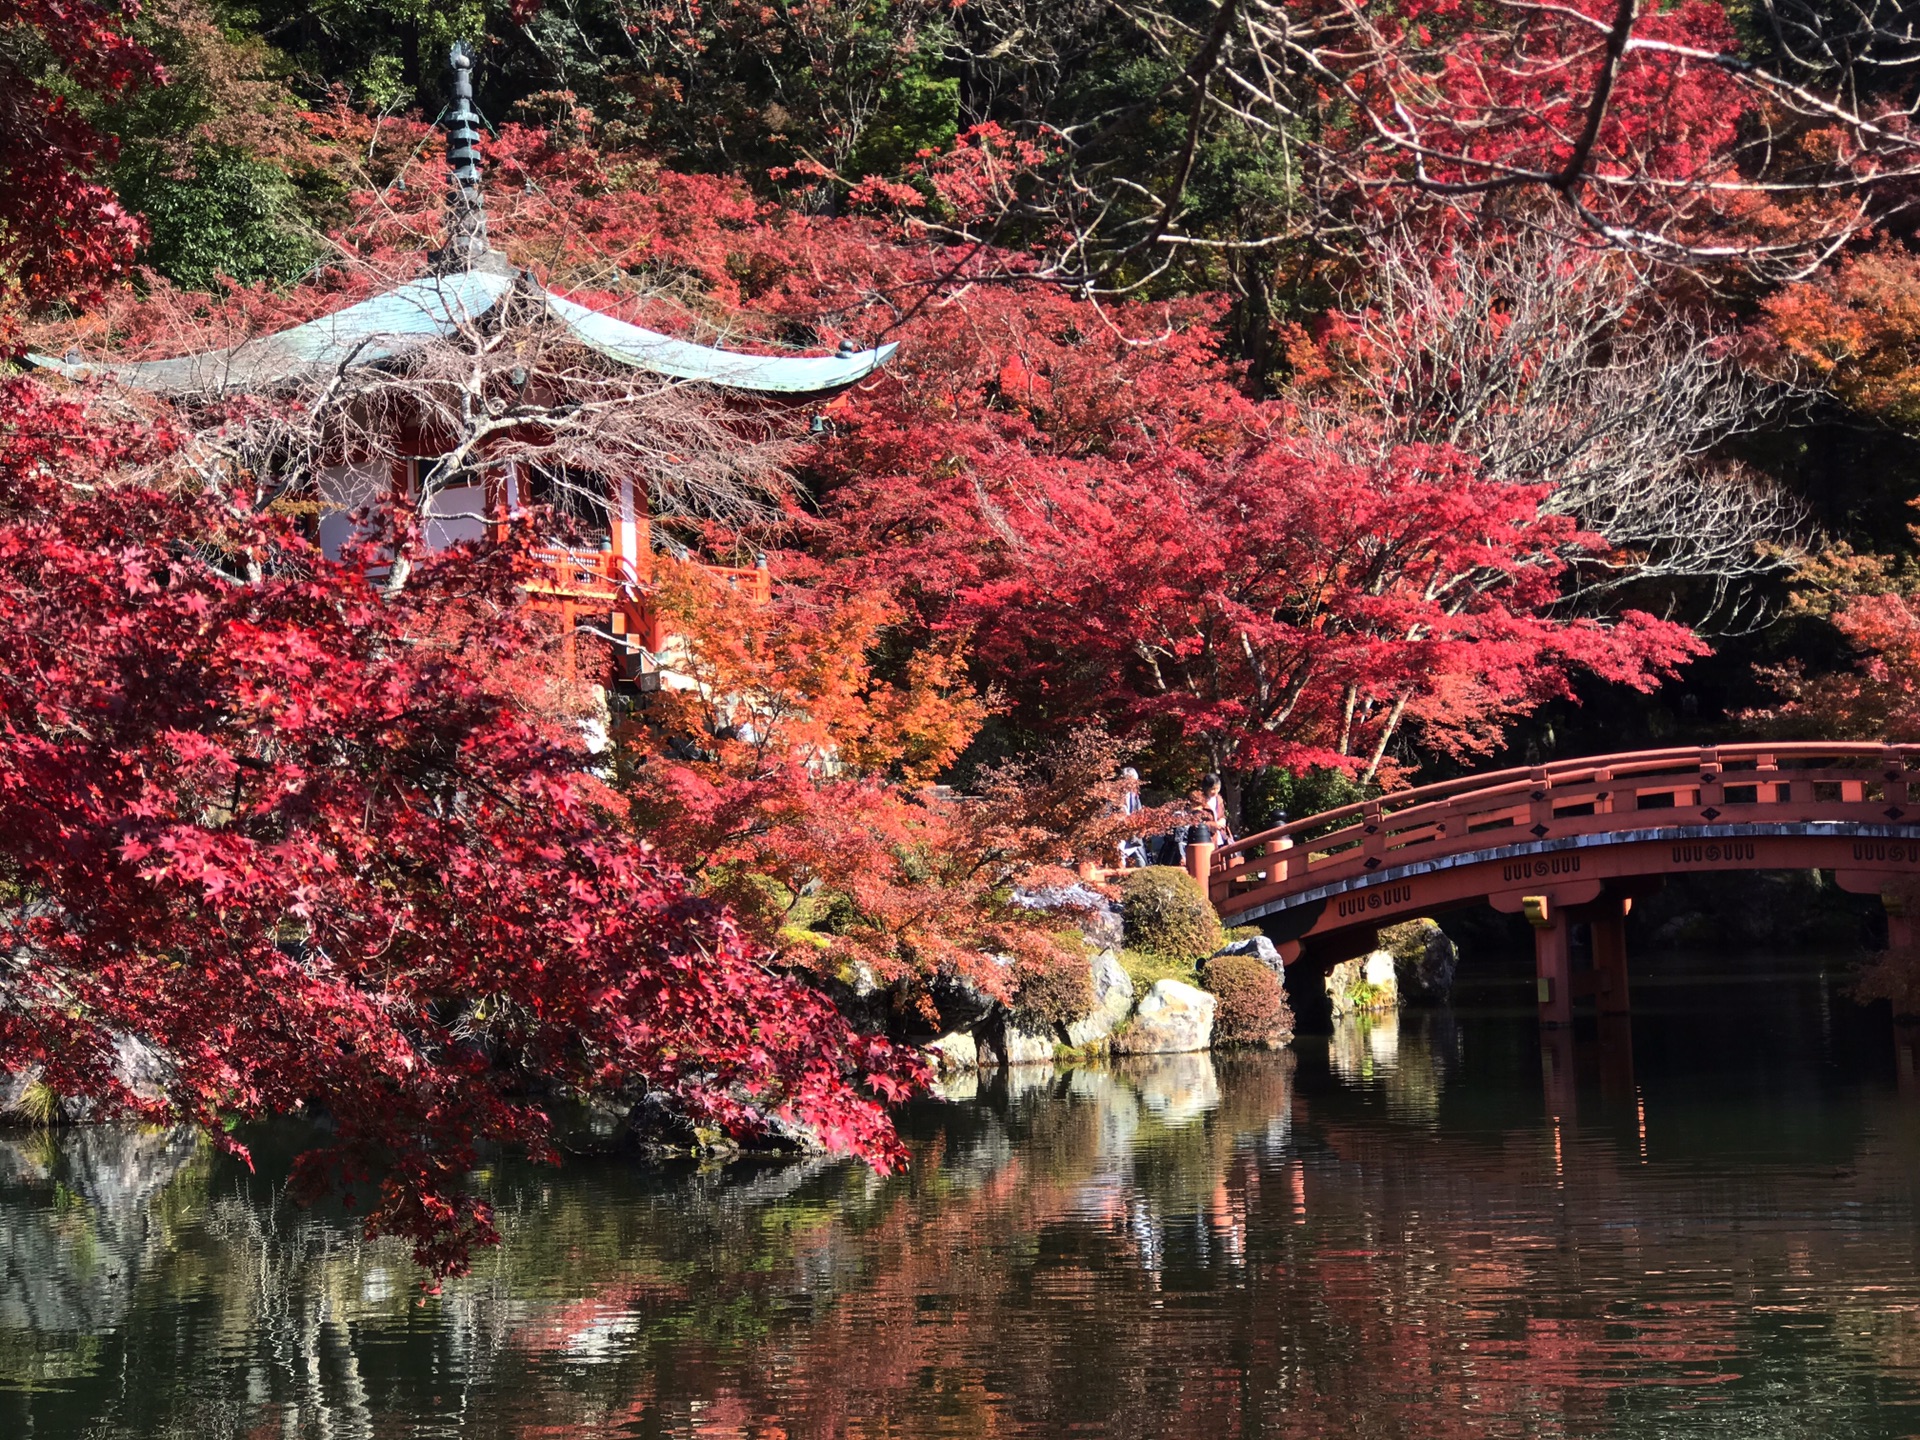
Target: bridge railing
{"x": 1718, "y": 784}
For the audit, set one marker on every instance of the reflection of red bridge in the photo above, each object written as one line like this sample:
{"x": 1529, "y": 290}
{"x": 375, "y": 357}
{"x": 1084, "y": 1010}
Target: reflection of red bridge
{"x": 1576, "y": 841}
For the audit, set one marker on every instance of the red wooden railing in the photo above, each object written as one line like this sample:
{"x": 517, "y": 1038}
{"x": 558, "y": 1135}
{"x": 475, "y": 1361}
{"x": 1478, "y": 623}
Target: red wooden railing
{"x": 567, "y": 581}
{"x": 1724, "y": 784}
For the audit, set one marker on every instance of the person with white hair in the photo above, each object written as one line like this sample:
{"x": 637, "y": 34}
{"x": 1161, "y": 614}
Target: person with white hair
{"x": 1134, "y": 848}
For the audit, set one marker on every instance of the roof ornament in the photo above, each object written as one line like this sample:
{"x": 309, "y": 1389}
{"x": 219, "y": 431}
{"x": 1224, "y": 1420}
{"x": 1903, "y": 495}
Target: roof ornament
{"x": 466, "y": 247}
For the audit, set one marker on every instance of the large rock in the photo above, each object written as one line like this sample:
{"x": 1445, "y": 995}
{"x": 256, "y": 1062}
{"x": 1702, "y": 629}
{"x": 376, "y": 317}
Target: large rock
{"x": 1170, "y": 1019}
{"x": 1009, "y": 1042}
{"x": 139, "y": 1065}
{"x": 962, "y": 1004}
{"x": 1097, "y": 917}
{"x": 955, "y": 1052}
{"x": 1361, "y": 986}
{"x": 1424, "y": 960}
{"x": 1112, "y": 1003}
{"x": 859, "y": 996}
{"x": 1257, "y": 946}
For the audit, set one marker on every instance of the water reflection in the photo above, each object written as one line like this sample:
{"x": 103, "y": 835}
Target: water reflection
{"x": 1402, "y": 1232}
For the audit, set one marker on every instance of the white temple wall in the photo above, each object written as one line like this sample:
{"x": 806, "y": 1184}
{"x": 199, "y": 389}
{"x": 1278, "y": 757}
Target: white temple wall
{"x": 343, "y": 490}
{"x": 453, "y": 515}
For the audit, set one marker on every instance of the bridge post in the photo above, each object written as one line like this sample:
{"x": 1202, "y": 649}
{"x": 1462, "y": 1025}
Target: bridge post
{"x": 1200, "y": 858}
{"x": 1610, "y": 955}
{"x": 1275, "y": 850}
{"x": 1552, "y": 965}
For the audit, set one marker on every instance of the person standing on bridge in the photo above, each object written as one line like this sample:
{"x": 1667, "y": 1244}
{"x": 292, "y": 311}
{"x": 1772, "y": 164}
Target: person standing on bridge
{"x": 1216, "y": 809}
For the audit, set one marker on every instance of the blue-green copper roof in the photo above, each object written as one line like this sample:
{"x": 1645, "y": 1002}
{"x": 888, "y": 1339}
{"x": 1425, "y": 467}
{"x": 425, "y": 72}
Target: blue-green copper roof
{"x": 663, "y": 355}
{"x": 376, "y": 329}
{"x": 438, "y": 307}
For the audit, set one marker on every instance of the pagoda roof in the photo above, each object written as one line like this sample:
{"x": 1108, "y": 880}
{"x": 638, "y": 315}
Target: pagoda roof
{"x": 470, "y": 280}
{"x": 438, "y": 307}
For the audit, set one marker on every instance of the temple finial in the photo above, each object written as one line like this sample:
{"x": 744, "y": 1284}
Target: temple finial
{"x": 466, "y": 205}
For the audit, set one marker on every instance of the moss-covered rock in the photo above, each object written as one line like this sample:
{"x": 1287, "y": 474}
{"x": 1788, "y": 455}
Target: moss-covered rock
{"x": 1113, "y": 997}
{"x": 1170, "y": 1019}
{"x": 1167, "y": 914}
{"x": 1145, "y": 970}
{"x": 1357, "y": 987}
{"x": 1424, "y": 960}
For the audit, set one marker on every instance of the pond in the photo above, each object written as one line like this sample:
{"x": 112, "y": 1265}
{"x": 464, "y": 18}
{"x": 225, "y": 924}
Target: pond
{"x": 1704, "y": 1223}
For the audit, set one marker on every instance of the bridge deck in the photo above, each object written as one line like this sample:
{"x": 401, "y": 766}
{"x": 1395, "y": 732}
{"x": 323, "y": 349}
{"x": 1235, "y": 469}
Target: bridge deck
{"x": 1760, "y": 806}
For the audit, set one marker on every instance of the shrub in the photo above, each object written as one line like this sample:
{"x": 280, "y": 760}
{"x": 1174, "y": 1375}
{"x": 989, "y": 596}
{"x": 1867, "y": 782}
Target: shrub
{"x": 1253, "y": 1007}
{"x": 1052, "y": 984}
{"x": 1167, "y": 914}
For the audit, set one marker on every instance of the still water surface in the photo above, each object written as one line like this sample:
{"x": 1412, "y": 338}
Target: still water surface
{"x": 1708, "y": 1226}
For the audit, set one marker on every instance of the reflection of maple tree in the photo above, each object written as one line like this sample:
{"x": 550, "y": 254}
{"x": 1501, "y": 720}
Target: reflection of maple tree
{"x": 1130, "y": 1276}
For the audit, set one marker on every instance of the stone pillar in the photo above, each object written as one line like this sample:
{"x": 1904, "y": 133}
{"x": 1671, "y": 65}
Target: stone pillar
{"x": 1551, "y": 963}
{"x": 1610, "y": 956}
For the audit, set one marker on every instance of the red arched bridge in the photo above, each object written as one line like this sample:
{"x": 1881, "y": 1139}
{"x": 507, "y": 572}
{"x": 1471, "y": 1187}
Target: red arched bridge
{"x": 1576, "y": 841}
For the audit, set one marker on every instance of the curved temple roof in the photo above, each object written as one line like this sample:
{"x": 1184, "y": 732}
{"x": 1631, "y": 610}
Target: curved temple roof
{"x": 470, "y": 280}
{"x": 437, "y": 307}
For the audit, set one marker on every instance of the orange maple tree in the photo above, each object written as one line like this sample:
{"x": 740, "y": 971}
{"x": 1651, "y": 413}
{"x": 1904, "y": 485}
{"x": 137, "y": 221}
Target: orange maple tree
{"x": 797, "y": 766}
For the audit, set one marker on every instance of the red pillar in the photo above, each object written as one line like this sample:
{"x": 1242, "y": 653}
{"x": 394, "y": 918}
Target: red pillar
{"x": 1200, "y": 863}
{"x": 1552, "y": 968}
{"x": 1899, "y": 922}
{"x": 1276, "y": 865}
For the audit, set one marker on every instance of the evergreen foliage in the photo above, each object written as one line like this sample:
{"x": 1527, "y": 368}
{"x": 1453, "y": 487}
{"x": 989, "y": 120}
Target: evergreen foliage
{"x": 1167, "y": 915}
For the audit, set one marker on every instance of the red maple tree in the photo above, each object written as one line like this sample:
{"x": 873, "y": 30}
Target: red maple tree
{"x": 280, "y": 829}
{"x": 1124, "y": 534}
{"x": 61, "y": 231}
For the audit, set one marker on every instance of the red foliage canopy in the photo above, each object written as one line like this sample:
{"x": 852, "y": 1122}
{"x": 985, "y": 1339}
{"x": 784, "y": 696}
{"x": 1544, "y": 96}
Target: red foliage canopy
{"x": 1086, "y": 491}
{"x": 60, "y": 231}
{"x": 1089, "y": 495}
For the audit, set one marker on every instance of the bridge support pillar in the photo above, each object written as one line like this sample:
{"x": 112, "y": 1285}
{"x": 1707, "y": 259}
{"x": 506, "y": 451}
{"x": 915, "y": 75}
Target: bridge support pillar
{"x": 1553, "y": 967}
{"x": 1899, "y": 922}
{"x": 1610, "y": 956}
